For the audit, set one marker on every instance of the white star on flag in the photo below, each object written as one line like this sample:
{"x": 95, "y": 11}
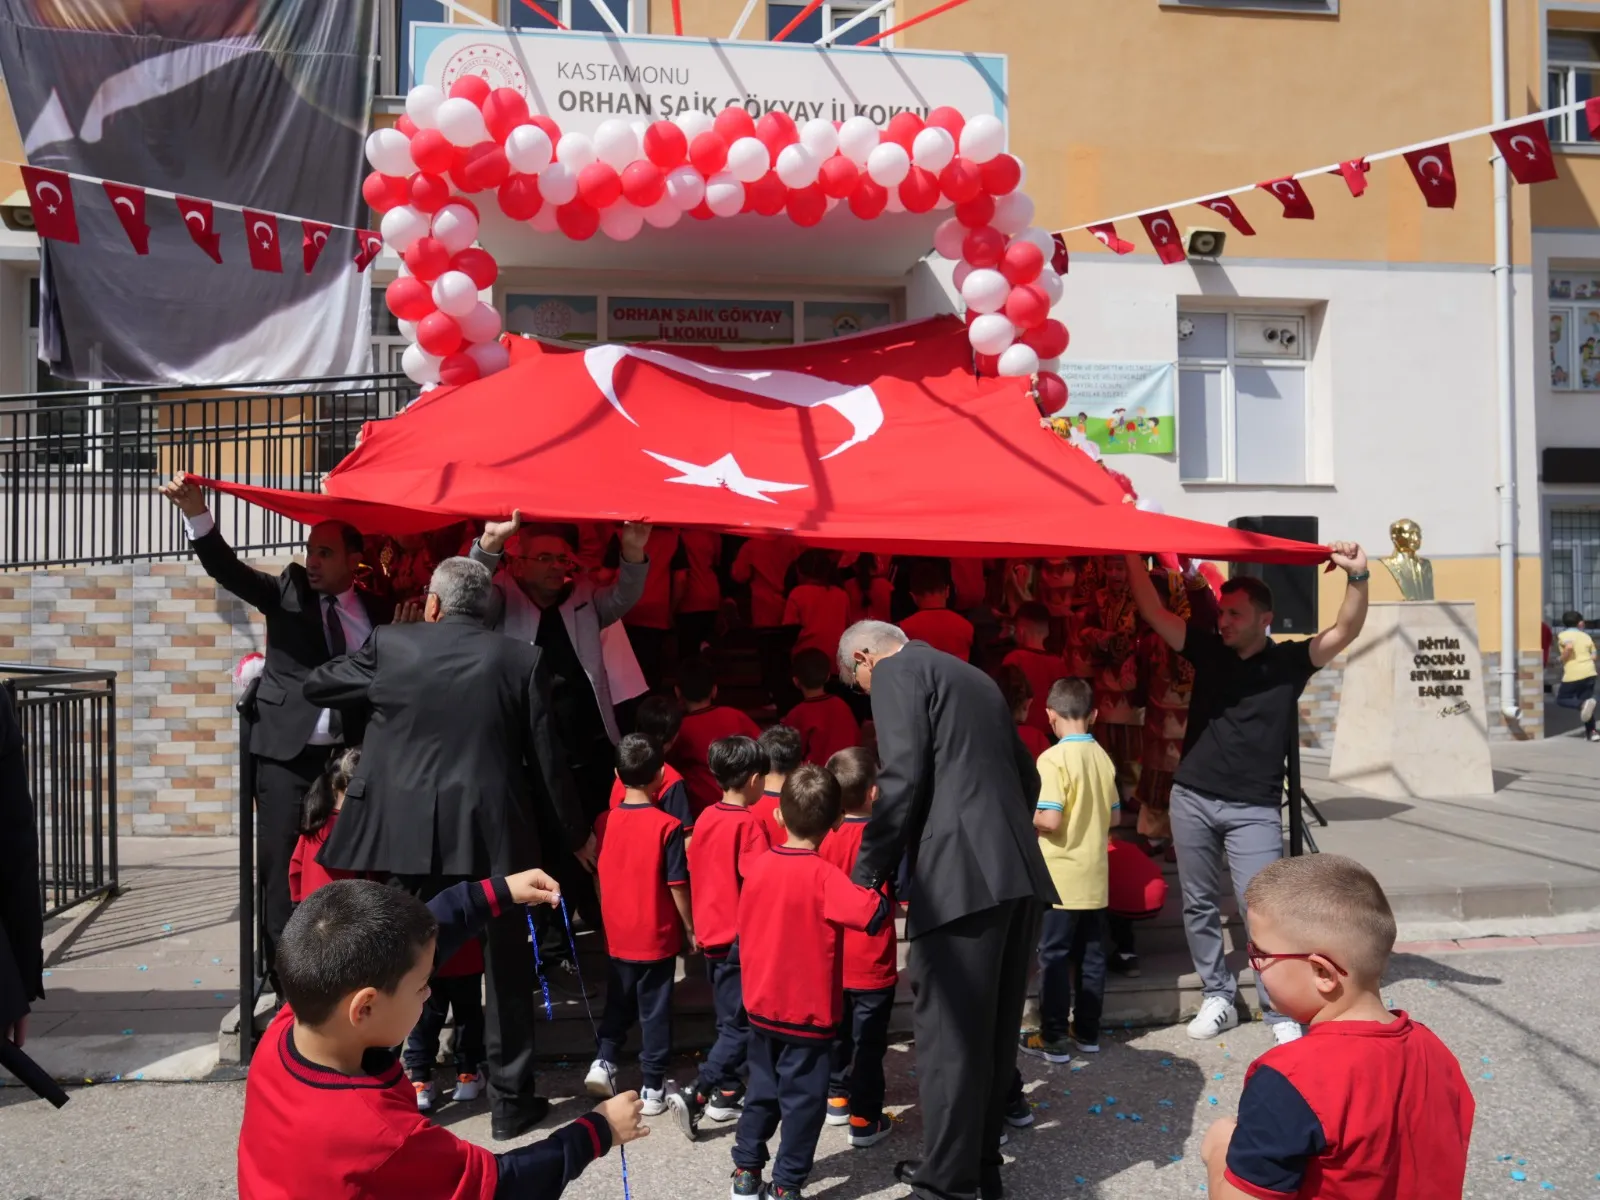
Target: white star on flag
{"x": 725, "y": 473}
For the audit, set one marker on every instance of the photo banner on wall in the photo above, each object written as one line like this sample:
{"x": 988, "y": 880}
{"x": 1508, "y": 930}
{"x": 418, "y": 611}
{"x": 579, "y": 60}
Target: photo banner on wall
{"x": 1122, "y": 407}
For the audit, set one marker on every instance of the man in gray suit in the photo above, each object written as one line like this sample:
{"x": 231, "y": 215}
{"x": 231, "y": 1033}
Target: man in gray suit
{"x": 956, "y": 793}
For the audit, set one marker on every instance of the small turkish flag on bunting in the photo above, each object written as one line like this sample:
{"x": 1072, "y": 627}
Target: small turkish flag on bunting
{"x": 313, "y": 237}
{"x": 1354, "y": 173}
{"x": 1296, "y": 204}
{"x": 1106, "y": 235}
{"x": 50, "y": 197}
{"x": 1591, "y": 113}
{"x": 1435, "y": 175}
{"x": 261, "y": 232}
{"x": 1224, "y": 206}
{"x": 1059, "y": 258}
{"x": 1163, "y": 236}
{"x": 128, "y": 203}
{"x": 197, "y": 218}
{"x": 368, "y": 244}
{"x": 1526, "y": 148}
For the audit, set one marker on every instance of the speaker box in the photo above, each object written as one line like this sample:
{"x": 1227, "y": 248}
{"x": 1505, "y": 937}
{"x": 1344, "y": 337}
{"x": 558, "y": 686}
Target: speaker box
{"x": 1294, "y": 589}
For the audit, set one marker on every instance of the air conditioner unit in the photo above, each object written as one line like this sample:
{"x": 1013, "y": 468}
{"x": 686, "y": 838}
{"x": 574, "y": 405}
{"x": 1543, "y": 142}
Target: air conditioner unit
{"x": 1269, "y": 337}
{"x": 1204, "y": 244}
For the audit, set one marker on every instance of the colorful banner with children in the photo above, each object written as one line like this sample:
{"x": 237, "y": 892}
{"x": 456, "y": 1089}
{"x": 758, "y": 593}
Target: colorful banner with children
{"x": 1123, "y": 408}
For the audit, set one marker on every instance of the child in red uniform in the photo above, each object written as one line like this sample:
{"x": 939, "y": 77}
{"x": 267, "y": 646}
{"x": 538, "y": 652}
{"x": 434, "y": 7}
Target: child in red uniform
{"x": 650, "y": 620}
{"x": 1020, "y": 698}
{"x": 933, "y": 622}
{"x": 1032, "y": 626}
{"x": 318, "y": 812}
{"x": 1369, "y": 1104}
{"x": 661, "y": 718}
{"x": 817, "y": 605}
{"x": 704, "y": 721}
{"x": 824, "y": 721}
{"x": 764, "y": 563}
{"x": 855, "y": 1087}
{"x": 730, "y": 839}
{"x": 869, "y": 590}
{"x": 793, "y": 912}
{"x": 644, "y": 899}
{"x": 327, "y": 1109}
{"x": 784, "y": 752}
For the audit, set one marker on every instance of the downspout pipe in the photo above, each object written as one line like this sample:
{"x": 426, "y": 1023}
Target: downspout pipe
{"x": 1505, "y": 398}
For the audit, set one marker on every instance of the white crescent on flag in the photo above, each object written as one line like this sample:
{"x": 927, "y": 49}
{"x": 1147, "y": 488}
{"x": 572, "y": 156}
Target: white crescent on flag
{"x": 133, "y": 209}
{"x": 40, "y": 188}
{"x": 192, "y": 215}
{"x": 1532, "y": 151}
{"x": 1157, "y": 224}
{"x": 320, "y": 237}
{"x": 265, "y": 231}
{"x": 1285, "y": 183}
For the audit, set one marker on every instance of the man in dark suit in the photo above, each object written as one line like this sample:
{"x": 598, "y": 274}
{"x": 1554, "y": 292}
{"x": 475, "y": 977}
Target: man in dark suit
{"x": 956, "y": 793}
{"x": 460, "y": 755}
{"x": 313, "y": 613}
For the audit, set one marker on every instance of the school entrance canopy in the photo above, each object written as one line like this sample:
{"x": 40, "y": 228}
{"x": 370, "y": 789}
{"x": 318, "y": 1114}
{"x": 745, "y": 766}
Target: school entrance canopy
{"x": 884, "y": 441}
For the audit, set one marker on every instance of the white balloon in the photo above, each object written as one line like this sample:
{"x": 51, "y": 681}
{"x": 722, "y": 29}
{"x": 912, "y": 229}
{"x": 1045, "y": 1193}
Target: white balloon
{"x": 985, "y": 290}
{"x": 639, "y": 125}
{"x": 455, "y": 293}
{"x": 724, "y": 194}
{"x": 694, "y": 123}
{"x": 858, "y": 137}
{"x": 1013, "y": 213}
{"x": 408, "y": 329}
{"x": 991, "y": 333}
{"x": 958, "y": 277}
{"x": 982, "y": 137}
{"x": 933, "y": 148}
{"x": 664, "y": 213}
{"x": 621, "y": 221}
{"x": 544, "y": 221}
{"x": 820, "y": 137}
{"x": 615, "y": 143}
{"x": 482, "y": 324}
{"x": 1146, "y": 505}
{"x": 422, "y": 105}
{"x": 528, "y": 149}
{"x": 490, "y": 357}
{"x": 576, "y": 150}
{"x": 461, "y": 122}
{"x": 685, "y": 187}
{"x": 894, "y": 204}
{"x": 1018, "y": 359}
{"x": 748, "y": 159}
{"x": 1051, "y": 364}
{"x": 1054, "y": 286}
{"x": 1039, "y": 238}
{"x": 888, "y": 164}
{"x": 389, "y": 152}
{"x": 796, "y": 166}
{"x": 402, "y": 226}
{"x": 417, "y": 363}
{"x": 455, "y": 227}
{"x": 948, "y": 238}
{"x": 558, "y": 184}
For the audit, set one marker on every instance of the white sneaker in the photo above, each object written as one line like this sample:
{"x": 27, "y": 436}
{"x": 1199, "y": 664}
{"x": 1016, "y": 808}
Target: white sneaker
{"x": 427, "y": 1096}
{"x": 601, "y": 1081}
{"x": 1586, "y": 713}
{"x": 469, "y": 1087}
{"x": 655, "y": 1101}
{"x": 1284, "y": 1032}
{"x": 1216, "y": 1014}
{"x": 1087, "y": 1047}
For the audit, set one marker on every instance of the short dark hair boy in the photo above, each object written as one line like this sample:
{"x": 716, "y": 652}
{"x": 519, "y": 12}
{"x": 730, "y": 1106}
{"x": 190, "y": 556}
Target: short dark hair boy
{"x": 735, "y": 761}
{"x": 812, "y": 669}
{"x": 811, "y": 803}
{"x": 661, "y": 717}
{"x": 855, "y": 770}
{"x": 1070, "y": 699}
{"x": 640, "y": 760}
{"x": 785, "y": 750}
{"x": 697, "y": 681}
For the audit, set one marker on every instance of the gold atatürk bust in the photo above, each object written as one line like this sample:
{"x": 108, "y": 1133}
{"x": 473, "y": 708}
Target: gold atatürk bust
{"x": 1411, "y": 571}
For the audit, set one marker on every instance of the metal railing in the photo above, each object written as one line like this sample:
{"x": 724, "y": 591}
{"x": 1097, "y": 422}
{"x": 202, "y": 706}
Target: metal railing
{"x": 78, "y": 470}
{"x": 68, "y": 720}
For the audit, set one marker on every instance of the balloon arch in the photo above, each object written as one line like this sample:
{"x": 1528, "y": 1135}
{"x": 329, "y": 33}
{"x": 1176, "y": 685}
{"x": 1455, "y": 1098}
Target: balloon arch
{"x": 447, "y": 148}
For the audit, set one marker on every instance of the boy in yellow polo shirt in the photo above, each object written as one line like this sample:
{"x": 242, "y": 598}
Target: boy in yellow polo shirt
{"x": 1077, "y": 793}
{"x": 1577, "y": 671}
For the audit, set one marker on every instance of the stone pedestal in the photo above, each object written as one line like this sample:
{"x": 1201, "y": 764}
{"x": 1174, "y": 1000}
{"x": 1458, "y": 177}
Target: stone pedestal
{"x": 1412, "y": 716}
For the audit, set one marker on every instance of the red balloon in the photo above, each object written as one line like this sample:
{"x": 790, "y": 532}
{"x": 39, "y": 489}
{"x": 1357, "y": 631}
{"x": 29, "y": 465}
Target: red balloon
{"x": 548, "y": 124}
{"x": 665, "y": 145}
{"x": 486, "y": 167}
{"x": 643, "y": 183}
{"x": 1001, "y": 174}
{"x": 520, "y": 197}
{"x": 429, "y": 193}
{"x": 702, "y": 212}
{"x": 868, "y": 199}
{"x": 1052, "y": 395}
{"x": 1048, "y": 340}
{"x": 838, "y": 176}
{"x": 427, "y": 259}
{"x": 977, "y": 212}
{"x": 432, "y": 152}
{"x": 579, "y": 221}
{"x": 777, "y": 130}
{"x": 961, "y": 180}
{"x": 470, "y": 87}
{"x": 478, "y": 265}
{"x": 438, "y": 334}
{"x": 919, "y": 191}
{"x": 903, "y": 128}
{"x": 709, "y": 153}
{"x": 599, "y": 185}
{"x": 807, "y": 205}
{"x": 984, "y": 246}
{"x": 503, "y": 111}
{"x": 406, "y": 126}
{"x": 767, "y": 195}
{"x": 986, "y": 364}
{"x": 1021, "y": 262}
{"x": 948, "y": 119}
{"x": 458, "y": 369}
{"x": 409, "y": 298}
{"x": 733, "y": 123}
{"x": 383, "y": 192}
{"x": 1028, "y": 306}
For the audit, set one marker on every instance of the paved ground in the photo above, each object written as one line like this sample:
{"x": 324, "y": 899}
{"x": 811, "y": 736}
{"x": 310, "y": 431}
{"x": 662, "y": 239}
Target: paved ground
{"x": 1512, "y": 1016}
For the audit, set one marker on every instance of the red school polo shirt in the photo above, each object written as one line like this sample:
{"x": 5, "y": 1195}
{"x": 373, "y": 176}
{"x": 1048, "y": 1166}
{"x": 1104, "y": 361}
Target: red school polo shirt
{"x": 688, "y": 753}
{"x": 728, "y": 839}
{"x": 641, "y": 860}
{"x": 1035, "y": 742}
{"x": 826, "y": 726}
{"x": 1042, "y": 670}
{"x": 1355, "y": 1110}
{"x": 823, "y": 613}
{"x": 766, "y": 811}
{"x": 941, "y": 629}
{"x": 870, "y": 959}
{"x": 673, "y": 800}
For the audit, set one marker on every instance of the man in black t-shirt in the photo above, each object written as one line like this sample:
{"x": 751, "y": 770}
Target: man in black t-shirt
{"x": 1228, "y": 787}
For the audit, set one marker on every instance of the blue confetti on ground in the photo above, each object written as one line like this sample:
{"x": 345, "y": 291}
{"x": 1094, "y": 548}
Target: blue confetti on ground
{"x": 1433, "y": 983}
{"x": 142, "y": 967}
{"x": 1218, "y": 1075}
{"x": 1079, "y": 1180}
{"x": 1164, "y": 1103}
{"x": 1507, "y": 1158}
{"x": 166, "y": 929}
{"x": 1519, "y": 1176}
{"x": 1484, "y": 1060}
{"x": 1135, "y": 1117}
{"x": 1175, "y": 1157}
{"x": 1522, "y": 1162}
{"x": 1094, "y": 1110}
{"x": 127, "y": 1033}
{"x": 1043, "y": 1104}
{"x": 49, "y": 972}
{"x": 1066, "y": 1091}
{"x": 215, "y": 961}
{"x": 1166, "y": 1062}
{"x": 196, "y": 983}
{"x": 1547, "y": 1186}
{"x": 1111, "y": 1099}
{"x": 1163, "y": 1129}
{"x": 1211, "y": 1099}
{"x": 219, "y": 995}
{"x": 138, "y": 1074}
{"x": 1122, "y": 1116}
{"x": 1488, "y": 1074}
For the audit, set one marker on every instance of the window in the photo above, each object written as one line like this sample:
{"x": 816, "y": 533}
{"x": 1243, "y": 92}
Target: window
{"x": 575, "y": 14}
{"x": 395, "y": 19}
{"x": 831, "y": 16}
{"x": 1572, "y": 61}
{"x": 1242, "y": 397}
{"x": 1572, "y": 562}
{"x": 1575, "y": 332}
{"x": 1316, "y": 8}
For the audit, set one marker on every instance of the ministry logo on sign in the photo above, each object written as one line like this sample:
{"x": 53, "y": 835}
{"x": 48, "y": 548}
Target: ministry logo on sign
{"x": 495, "y": 65}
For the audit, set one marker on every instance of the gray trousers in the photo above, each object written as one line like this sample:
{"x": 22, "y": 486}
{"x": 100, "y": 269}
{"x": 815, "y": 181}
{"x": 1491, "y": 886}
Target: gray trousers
{"x": 1210, "y": 834}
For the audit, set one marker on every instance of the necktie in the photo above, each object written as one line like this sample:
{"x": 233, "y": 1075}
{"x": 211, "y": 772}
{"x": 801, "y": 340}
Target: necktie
{"x": 336, "y": 647}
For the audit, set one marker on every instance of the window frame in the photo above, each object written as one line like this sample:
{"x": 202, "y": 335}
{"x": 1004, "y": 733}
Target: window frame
{"x": 638, "y": 14}
{"x": 1568, "y": 308}
{"x": 1569, "y": 128}
{"x": 1303, "y": 8}
{"x": 1578, "y": 551}
{"x": 830, "y": 21}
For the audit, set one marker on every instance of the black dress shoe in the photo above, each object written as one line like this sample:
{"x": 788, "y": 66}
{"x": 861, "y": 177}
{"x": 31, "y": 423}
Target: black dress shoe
{"x": 989, "y": 1185}
{"x": 513, "y": 1122}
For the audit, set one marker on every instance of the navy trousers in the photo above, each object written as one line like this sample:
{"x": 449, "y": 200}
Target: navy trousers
{"x": 788, "y": 1082}
{"x": 639, "y": 993}
{"x": 1072, "y": 972}
{"x": 724, "y": 1066}
{"x": 858, "y": 1051}
{"x": 464, "y": 993}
